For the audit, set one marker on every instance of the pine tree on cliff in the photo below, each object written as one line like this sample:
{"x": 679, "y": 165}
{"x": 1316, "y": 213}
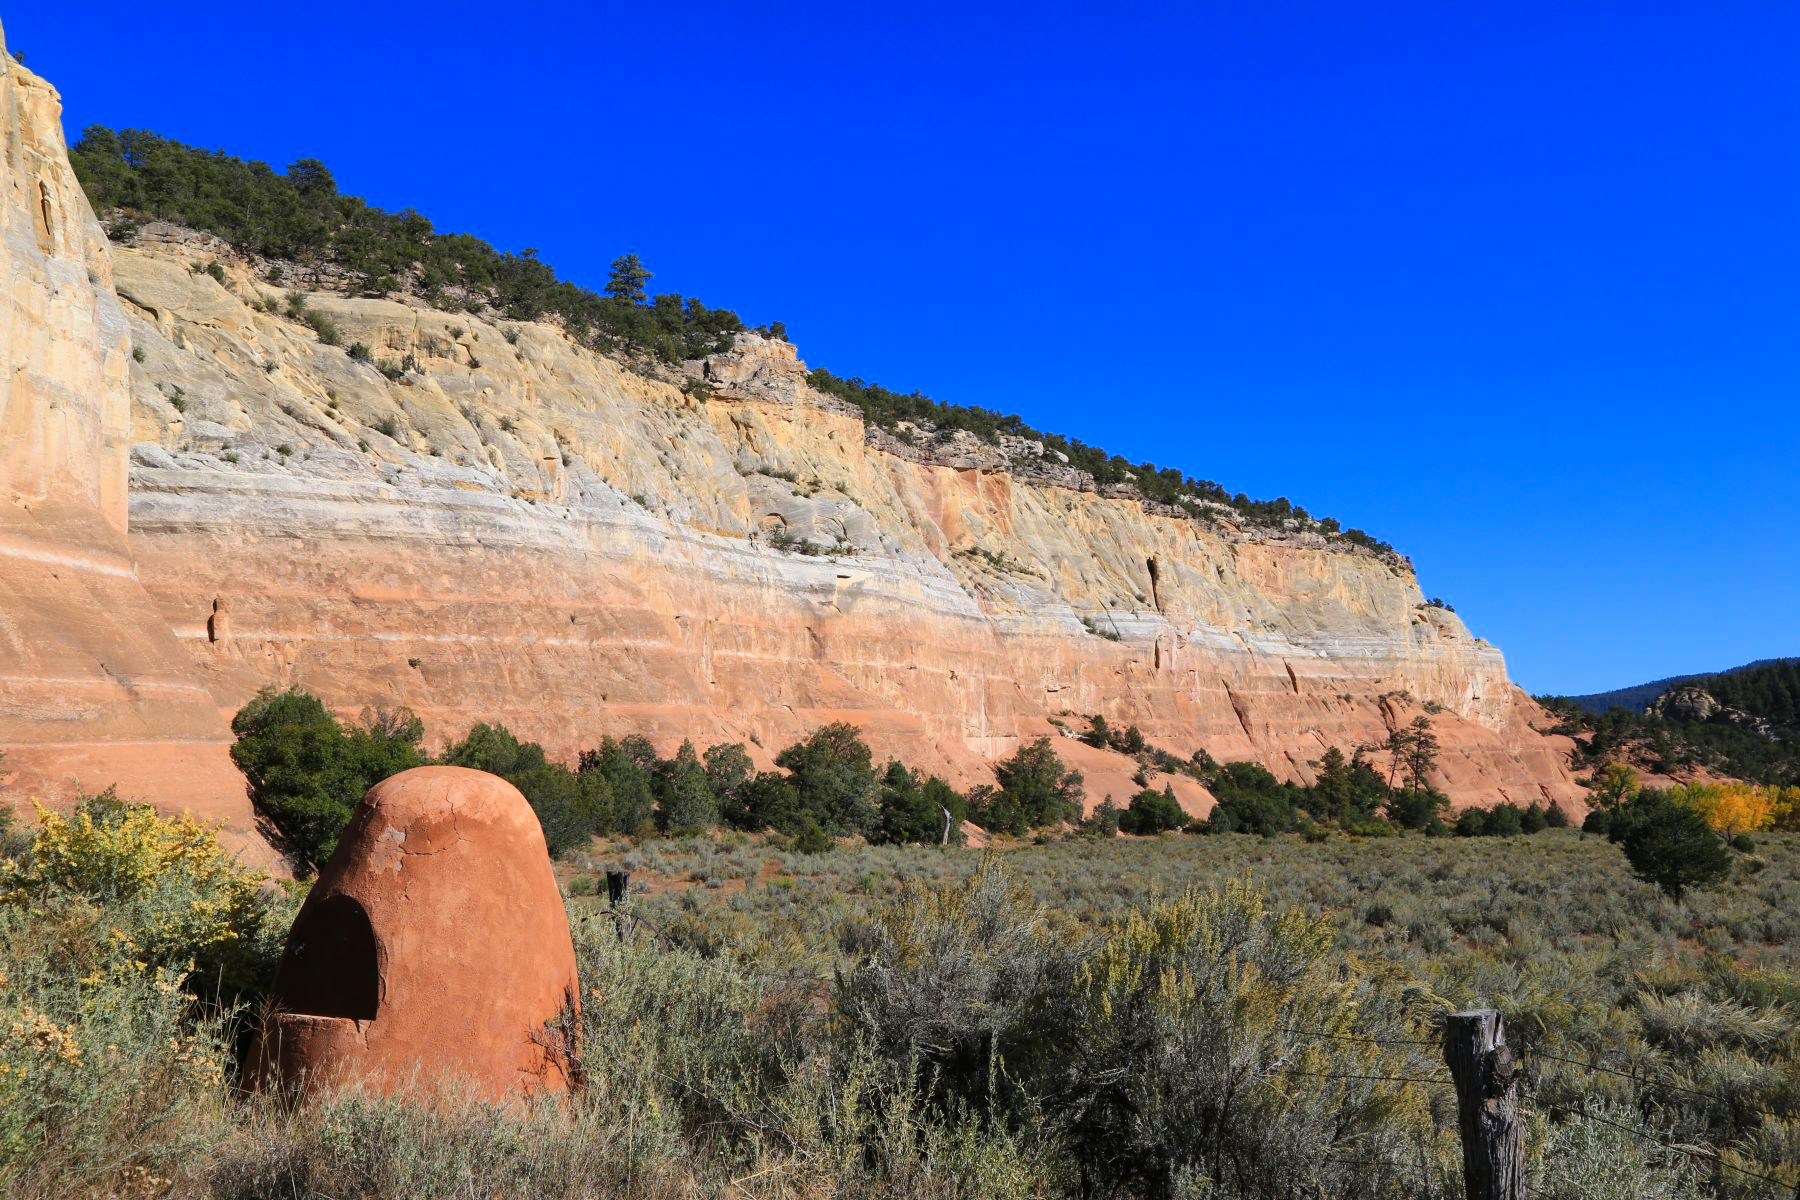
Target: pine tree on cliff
{"x": 1415, "y": 751}
{"x": 627, "y": 280}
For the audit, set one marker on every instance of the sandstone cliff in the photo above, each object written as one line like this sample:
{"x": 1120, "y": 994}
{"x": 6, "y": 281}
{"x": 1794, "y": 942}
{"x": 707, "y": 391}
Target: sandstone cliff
{"x": 506, "y": 526}
{"x": 94, "y": 688}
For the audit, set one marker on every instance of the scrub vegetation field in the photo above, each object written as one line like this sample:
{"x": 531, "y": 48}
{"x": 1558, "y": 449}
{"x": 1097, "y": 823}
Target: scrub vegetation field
{"x": 1172, "y": 1016}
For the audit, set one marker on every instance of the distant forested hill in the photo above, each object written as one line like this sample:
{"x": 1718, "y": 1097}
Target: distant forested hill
{"x": 1638, "y": 696}
{"x": 1752, "y": 731}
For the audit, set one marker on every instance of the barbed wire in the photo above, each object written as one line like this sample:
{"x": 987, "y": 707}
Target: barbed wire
{"x": 1532, "y": 1052}
{"x": 1705, "y": 1155}
{"x": 1355, "y": 1037}
{"x": 1347, "y": 1075}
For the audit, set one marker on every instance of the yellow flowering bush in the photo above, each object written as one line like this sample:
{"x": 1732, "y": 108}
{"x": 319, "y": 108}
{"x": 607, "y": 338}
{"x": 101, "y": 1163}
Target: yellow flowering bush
{"x": 177, "y": 898}
{"x": 1217, "y": 1027}
{"x": 108, "y": 1068}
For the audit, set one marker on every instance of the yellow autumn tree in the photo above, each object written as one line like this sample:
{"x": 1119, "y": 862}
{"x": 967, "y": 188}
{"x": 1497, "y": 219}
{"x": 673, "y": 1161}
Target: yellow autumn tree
{"x": 1732, "y": 808}
{"x": 1616, "y": 785}
{"x": 1786, "y": 815}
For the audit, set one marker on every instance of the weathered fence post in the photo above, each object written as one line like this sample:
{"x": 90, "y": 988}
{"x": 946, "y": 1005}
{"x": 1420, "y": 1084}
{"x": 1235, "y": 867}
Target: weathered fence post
{"x": 1487, "y": 1104}
{"x": 618, "y": 886}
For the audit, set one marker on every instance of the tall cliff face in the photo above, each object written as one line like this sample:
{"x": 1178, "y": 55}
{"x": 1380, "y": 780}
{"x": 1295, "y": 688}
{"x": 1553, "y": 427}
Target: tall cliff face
{"x": 94, "y": 689}
{"x": 517, "y": 529}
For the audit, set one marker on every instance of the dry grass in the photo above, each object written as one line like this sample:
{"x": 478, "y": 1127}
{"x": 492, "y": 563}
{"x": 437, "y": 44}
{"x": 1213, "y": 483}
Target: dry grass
{"x": 906, "y": 1022}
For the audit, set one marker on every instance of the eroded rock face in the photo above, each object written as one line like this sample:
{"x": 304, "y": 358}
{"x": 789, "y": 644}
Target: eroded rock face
{"x": 521, "y": 530}
{"x": 94, "y": 689}
{"x": 432, "y": 951}
{"x": 1685, "y": 703}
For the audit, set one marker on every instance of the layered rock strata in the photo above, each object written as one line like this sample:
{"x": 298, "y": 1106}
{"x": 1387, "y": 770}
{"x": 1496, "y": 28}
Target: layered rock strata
{"x": 95, "y": 689}
{"x": 481, "y": 520}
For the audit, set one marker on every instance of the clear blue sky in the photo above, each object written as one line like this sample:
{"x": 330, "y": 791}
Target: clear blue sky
{"x": 1516, "y": 287}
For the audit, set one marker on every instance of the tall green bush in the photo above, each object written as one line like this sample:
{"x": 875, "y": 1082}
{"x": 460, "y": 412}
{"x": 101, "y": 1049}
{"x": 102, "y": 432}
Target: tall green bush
{"x": 833, "y": 774}
{"x": 685, "y": 803}
{"x": 1152, "y": 812}
{"x": 1036, "y": 790}
{"x": 307, "y": 771}
{"x": 1669, "y": 844}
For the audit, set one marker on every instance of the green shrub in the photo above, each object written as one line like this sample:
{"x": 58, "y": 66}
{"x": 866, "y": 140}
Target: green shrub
{"x": 1152, "y": 812}
{"x": 729, "y": 771}
{"x": 324, "y": 327}
{"x": 1036, "y": 790}
{"x": 627, "y": 769}
{"x": 685, "y": 803}
{"x": 812, "y": 838}
{"x": 1104, "y": 820}
{"x": 307, "y": 772}
{"x": 833, "y": 776}
{"x": 919, "y": 812}
{"x": 1670, "y": 845}
{"x": 1099, "y": 734}
{"x": 1473, "y": 822}
{"x": 1251, "y": 800}
{"x": 1506, "y": 820}
{"x": 1415, "y": 808}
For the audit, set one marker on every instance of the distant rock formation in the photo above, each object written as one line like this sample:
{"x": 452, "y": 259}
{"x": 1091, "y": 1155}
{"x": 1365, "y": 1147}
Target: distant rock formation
{"x": 1691, "y": 702}
{"x": 433, "y": 950}
{"x": 1685, "y": 703}
{"x": 94, "y": 688}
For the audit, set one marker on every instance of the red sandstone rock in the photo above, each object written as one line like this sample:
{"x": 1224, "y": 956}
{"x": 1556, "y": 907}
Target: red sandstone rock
{"x": 432, "y": 951}
{"x": 94, "y": 688}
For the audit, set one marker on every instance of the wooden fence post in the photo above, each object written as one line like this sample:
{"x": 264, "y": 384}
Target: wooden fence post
{"x": 618, "y": 886}
{"x": 1487, "y": 1104}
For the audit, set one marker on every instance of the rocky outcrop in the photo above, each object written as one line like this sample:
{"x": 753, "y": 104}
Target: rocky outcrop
{"x": 94, "y": 687}
{"x": 1685, "y": 703}
{"x": 481, "y": 520}
{"x": 1690, "y": 702}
